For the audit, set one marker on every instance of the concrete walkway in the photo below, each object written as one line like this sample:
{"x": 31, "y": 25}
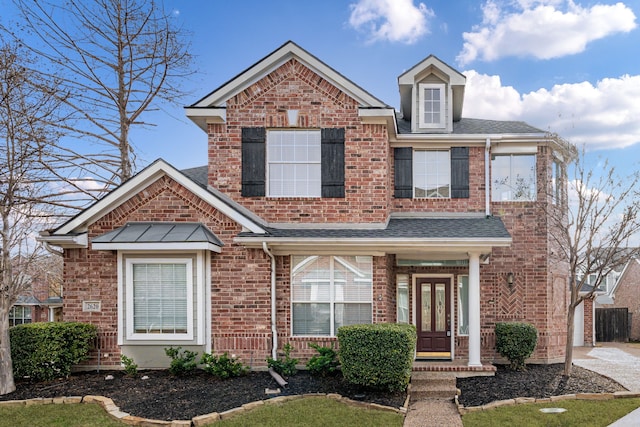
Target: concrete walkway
{"x": 618, "y": 361}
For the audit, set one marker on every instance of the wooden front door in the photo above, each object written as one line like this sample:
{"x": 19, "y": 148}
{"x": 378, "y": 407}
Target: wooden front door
{"x": 433, "y": 317}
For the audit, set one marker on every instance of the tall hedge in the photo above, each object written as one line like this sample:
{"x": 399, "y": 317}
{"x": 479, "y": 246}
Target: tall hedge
{"x": 378, "y": 355}
{"x": 516, "y": 341}
{"x": 44, "y": 351}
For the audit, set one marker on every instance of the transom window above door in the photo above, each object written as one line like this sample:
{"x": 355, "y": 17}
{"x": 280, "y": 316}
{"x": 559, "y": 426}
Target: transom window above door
{"x": 431, "y": 174}
{"x": 294, "y": 163}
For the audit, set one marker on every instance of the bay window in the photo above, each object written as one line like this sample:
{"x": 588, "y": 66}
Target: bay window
{"x": 513, "y": 177}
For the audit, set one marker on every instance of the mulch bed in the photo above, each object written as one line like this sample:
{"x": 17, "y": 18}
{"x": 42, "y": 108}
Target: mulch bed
{"x": 165, "y": 397}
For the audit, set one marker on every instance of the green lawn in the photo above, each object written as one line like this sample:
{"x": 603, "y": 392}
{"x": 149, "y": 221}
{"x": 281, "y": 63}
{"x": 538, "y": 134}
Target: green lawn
{"x": 599, "y": 413}
{"x": 71, "y": 415}
{"x": 308, "y": 412}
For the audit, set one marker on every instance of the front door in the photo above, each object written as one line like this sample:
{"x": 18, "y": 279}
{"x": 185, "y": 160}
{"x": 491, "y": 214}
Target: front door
{"x": 433, "y": 317}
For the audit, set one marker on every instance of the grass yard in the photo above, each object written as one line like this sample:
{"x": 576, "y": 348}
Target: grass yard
{"x": 592, "y": 413}
{"x": 308, "y": 412}
{"x": 71, "y": 415}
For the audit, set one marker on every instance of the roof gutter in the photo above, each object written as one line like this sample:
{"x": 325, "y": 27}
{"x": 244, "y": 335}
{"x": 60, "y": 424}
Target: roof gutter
{"x": 487, "y": 182}
{"x": 274, "y": 330}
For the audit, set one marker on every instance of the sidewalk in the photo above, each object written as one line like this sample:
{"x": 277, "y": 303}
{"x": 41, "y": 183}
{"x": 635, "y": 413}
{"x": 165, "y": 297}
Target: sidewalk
{"x": 618, "y": 361}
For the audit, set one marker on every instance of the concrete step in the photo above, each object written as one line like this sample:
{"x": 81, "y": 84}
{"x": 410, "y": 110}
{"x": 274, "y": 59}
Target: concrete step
{"x": 432, "y": 387}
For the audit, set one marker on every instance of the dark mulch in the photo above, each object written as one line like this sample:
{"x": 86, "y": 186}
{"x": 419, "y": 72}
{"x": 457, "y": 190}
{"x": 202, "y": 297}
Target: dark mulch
{"x": 537, "y": 381}
{"x": 166, "y": 397}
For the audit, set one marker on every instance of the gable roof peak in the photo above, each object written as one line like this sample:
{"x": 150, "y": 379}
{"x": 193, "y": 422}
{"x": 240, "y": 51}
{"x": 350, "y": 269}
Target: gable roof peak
{"x": 289, "y": 50}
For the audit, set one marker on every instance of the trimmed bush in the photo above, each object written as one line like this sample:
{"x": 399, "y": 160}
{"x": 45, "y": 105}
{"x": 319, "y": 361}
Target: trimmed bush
{"x": 378, "y": 355}
{"x": 285, "y": 366}
{"x": 516, "y": 341}
{"x": 325, "y": 362}
{"x": 183, "y": 362}
{"x": 45, "y": 351}
{"x": 223, "y": 366}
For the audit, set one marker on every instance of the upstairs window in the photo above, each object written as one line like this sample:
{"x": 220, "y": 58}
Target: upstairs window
{"x": 431, "y": 108}
{"x": 513, "y": 177}
{"x": 294, "y": 163}
{"x": 431, "y": 174}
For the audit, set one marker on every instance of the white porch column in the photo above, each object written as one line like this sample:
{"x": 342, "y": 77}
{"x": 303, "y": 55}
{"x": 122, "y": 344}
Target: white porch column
{"x": 474, "y": 309}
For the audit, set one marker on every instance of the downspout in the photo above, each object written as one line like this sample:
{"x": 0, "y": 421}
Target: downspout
{"x": 274, "y": 330}
{"x": 487, "y": 181}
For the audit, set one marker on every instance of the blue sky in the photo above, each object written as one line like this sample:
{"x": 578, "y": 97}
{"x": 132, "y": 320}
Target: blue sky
{"x": 571, "y": 67}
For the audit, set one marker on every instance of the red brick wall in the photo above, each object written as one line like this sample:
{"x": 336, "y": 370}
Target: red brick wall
{"x": 589, "y": 339}
{"x": 240, "y": 278}
{"x": 627, "y": 295}
{"x": 320, "y": 105}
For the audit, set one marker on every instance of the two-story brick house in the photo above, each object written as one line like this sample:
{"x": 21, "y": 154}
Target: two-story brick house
{"x": 322, "y": 206}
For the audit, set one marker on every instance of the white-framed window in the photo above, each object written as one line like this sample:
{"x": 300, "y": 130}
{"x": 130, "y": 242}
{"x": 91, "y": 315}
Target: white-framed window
{"x": 328, "y": 292}
{"x": 402, "y": 298}
{"x": 294, "y": 163}
{"x": 463, "y": 305}
{"x": 431, "y": 174}
{"x": 19, "y": 314}
{"x": 159, "y": 298}
{"x": 513, "y": 177}
{"x": 432, "y": 101}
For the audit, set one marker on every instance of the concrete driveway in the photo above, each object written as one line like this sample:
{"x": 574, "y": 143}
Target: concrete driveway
{"x": 618, "y": 361}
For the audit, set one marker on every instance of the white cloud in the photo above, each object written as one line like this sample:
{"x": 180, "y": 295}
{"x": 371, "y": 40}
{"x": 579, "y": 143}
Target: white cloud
{"x": 392, "y": 20}
{"x": 542, "y": 29}
{"x": 601, "y": 116}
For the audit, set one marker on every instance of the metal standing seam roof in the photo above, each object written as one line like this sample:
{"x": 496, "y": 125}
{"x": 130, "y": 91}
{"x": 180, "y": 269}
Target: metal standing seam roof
{"x": 160, "y": 232}
{"x": 488, "y": 227}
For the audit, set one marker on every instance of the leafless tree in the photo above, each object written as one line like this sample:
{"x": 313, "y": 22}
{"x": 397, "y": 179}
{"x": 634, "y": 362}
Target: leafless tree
{"x": 595, "y": 233}
{"x": 27, "y": 202}
{"x": 116, "y": 60}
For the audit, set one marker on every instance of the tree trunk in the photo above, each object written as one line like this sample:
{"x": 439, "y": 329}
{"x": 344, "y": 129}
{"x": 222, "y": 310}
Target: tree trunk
{"x": 568, "y": 357}
{"x": 7, "y": 384}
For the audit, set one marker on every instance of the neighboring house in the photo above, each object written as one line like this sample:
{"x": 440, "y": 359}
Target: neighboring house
{"x": 322, "y": 206}
{"x": 620, "y": 289}
{"x": 42, "y": 301}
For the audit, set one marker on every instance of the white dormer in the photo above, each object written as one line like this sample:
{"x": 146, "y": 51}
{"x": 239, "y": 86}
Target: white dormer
{"x": 431, "y": 96}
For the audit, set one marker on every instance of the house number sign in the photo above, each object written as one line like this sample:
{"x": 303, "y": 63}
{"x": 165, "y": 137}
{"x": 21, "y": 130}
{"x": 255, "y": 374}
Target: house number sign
{"x": 91, "y": 306}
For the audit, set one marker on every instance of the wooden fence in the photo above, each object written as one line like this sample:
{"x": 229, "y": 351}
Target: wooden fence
{"x": 612, "y": 324}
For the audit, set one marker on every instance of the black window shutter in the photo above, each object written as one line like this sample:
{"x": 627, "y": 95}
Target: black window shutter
{"x": 403, "y": 172}
{"x": 332, "y": 152}
{"x": 460, "y": 172}
{"x": 253, "y": 162}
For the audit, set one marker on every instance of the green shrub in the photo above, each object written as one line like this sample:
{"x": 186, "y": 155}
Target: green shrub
{"x": 378, "y": 355}
{"x": 223, "y": 366}
{"x": 183, "y": 362}
{"x": 130, "y": 367}
{"x": 516, "y": 341}
{"x": 325, "y": 362}
{"x": 285, "y": 367}
{"x": 45, "y": 351}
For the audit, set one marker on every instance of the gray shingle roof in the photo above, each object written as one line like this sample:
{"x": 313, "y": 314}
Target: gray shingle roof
{"x": 479, "y": 126}
{"x": 160, "y": 232}
{"x": 411, "y": 228}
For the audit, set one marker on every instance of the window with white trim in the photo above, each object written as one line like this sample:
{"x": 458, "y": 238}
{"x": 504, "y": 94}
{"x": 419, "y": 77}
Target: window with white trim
{"x": 159, "y": 302}
{"x": 294, "y": 163}
{"x": 513, "y": 177}
{"x": 328, "y": 292}
{"x": 402, "y": 298}
{"x": 432, "y": 101}
{"x": 463, "y": 305}
{"x": 19, "y": 315}
{"x": 431, "y": 174}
